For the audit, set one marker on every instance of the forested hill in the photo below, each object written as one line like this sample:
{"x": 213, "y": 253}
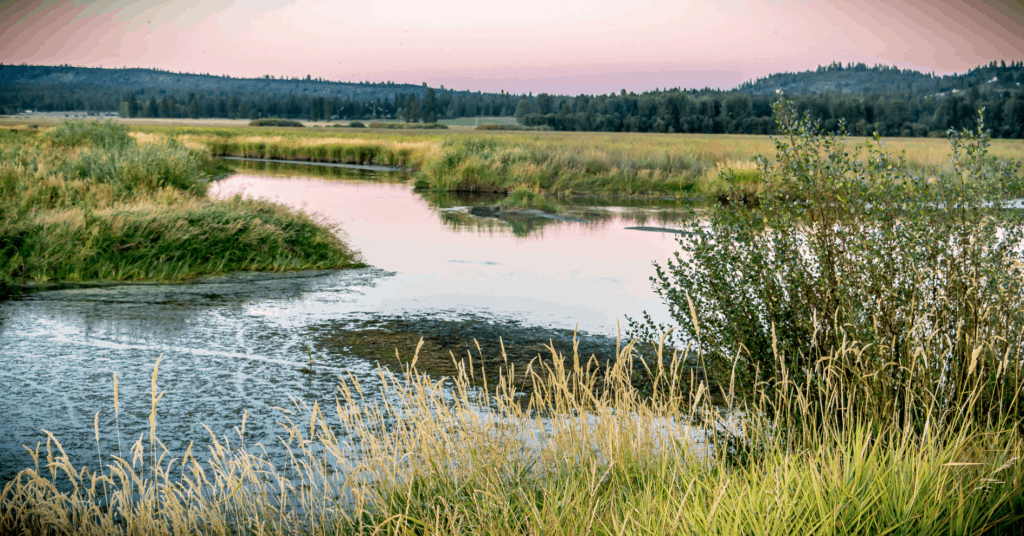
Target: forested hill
{"x": 882, "y": 99}
{"x": 144, "y": 80}
{"x": 859, "y": 79}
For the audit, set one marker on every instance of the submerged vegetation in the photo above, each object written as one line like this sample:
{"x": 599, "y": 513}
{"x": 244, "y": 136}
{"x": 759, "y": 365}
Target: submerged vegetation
{"x": 88, "y": 201}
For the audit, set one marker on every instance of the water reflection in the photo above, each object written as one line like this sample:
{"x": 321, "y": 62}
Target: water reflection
{"x": 235, "y": 345}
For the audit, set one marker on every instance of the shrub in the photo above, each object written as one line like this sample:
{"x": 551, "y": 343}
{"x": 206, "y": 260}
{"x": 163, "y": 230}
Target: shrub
{"x": 913, "y": 271}
{"x": 494, "y": 126}
{"x": 273, "y": 122}
{"x": 356, "y": 124}
{"x": 418, "y": 126}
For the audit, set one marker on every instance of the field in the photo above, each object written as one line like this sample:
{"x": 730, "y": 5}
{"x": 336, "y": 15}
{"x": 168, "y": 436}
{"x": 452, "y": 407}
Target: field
{"x": 89, "y": 201}
{"x": 551, "y": 163}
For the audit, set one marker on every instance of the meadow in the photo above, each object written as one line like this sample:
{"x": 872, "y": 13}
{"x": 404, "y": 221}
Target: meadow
{"x": 550, "y": 163}
{"x": 89, "y": 201}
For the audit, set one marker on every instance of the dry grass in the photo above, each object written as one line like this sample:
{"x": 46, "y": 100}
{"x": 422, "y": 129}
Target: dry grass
{"x": 583, "y": 452}
{"x": 563, "y": 163}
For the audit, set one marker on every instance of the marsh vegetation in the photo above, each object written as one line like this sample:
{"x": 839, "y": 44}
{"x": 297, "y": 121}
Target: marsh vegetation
{"x": 551, "y": 163}
{"x": 89, "y": 201}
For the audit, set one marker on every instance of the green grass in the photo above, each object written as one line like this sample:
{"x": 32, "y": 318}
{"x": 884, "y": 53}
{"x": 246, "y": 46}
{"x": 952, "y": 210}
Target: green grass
{"x": 86, "y": 201}
{"x": 523, "y": 198}
{"x": 559, "y": 163}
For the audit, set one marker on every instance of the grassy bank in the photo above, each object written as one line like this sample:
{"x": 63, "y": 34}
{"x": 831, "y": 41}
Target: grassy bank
{"x": 88, "y": 201}
{"x": 554, "y": 163}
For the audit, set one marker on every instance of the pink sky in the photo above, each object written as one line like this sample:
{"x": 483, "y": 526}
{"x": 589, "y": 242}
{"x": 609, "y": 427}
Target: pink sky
{"x": 569, "y": 47}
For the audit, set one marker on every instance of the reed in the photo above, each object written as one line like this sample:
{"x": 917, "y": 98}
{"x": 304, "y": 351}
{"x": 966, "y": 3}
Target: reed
{"x": 559, "y": 163}
{"x": 582, "y": 452}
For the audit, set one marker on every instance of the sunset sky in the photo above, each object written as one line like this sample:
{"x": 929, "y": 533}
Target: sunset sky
{"x": 568, "y": 47}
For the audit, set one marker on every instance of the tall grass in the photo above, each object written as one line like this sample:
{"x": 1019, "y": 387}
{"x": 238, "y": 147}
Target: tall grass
{"x": 560, "y": 163}
{"x": 86, "y": 201}
{"x": 582, "y": 452}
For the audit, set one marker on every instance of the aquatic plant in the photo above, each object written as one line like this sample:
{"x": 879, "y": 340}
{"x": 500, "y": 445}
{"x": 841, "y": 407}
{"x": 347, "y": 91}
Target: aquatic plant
{"x": 524, "y": 198}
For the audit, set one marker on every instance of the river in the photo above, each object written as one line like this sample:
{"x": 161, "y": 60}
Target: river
{"x": 237, "y": 344}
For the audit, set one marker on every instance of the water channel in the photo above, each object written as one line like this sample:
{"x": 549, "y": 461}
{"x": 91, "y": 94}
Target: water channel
{"x": 436, "y": 268}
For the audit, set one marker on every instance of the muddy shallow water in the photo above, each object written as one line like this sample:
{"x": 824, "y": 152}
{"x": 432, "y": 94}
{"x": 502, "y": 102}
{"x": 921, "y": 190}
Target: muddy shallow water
{"x": 236, "y": 344}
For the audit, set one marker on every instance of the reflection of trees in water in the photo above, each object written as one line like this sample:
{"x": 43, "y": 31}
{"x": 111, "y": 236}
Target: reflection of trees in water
{"x": 521, "y": 227}
{"x": 526, "y": 225}
{"x": 596, "y": 213}
{"x": 279, "y": 169}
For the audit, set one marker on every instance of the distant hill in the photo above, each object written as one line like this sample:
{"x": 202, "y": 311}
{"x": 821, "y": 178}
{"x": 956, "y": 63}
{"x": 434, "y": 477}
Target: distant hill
{"x": 156, "y": 93}
{"x": 146, "y": 81}
{"x": 859, "y": 79}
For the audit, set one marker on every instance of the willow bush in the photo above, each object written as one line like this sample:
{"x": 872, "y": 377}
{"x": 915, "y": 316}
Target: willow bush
{"x": 921, "y": 275}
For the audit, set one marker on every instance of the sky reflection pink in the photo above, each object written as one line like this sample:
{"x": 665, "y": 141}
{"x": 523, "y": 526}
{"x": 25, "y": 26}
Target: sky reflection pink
{"x": 570, "y": 274}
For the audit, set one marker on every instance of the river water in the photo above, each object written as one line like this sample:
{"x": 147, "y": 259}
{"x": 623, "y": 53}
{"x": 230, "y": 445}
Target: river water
{"x": 235, "y": 345}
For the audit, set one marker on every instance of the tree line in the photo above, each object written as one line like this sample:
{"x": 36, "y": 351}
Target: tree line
{"x": 433, "y": 105}
{"x": 719, "y": 112}
{"x": 881, "y": 99}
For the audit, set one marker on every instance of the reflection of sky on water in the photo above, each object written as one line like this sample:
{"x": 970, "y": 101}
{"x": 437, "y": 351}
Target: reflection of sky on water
{"x": 235, "y": 345}
{"x": 566, "y": 273}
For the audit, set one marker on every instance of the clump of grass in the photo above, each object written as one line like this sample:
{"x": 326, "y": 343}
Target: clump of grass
{"x": 274, "y": 122}
{"x": 105, "y": 134}
{"x": 734, "y": 176}
{"x": 343, "y": 150}
{"x": 524, "y": 198}
{"x": 84, "y": 201}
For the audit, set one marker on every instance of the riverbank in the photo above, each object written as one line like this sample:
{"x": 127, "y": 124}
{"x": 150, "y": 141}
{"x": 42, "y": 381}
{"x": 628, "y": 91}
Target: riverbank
{"x": 88, "y": 201}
